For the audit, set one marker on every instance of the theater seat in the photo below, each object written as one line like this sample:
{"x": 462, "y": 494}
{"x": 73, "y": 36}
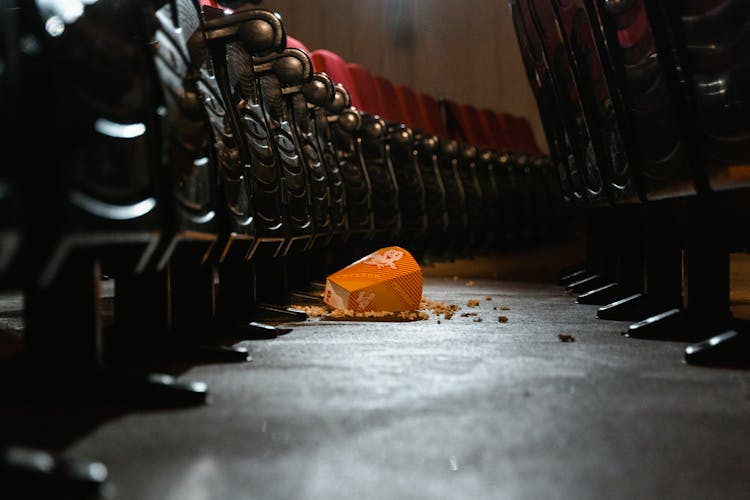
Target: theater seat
{"x": 432, "y": 115}
{"x": 569, "y": 93}
{"x": 177, "y": 295}
{"x": 640, "y": 56}
{"x": 312, "y": 100}
{"x": 465, "y": 164}
{"x": 491, "y": 173}
{"x": 665, "y": 159}
{"x": 601, "y": 101}
{"x": 470, "y": 125}
{"x": 557, "y": 71}
{"x": 549, "y": 104}
{"x": 497, "y": 126}
{"x": 713, "y": 54}
{"x": 342, "y": 127}
{"x": 293, "y": 43}
{"x": 524, "y": 135}
{"x": 98, "y": 200}
{"x": 380, "y": 157}
{"x": 334, "y": 66}
{"x": 709, "y": 43}
{"x": 319, "y": 94}
{"x": 643, "y": 74}
{"x": 572, "y": 98}
{"x": 336, "y": 184}
{"x": 278, "y": 187}
{"x": 603, "y": 106}
{"x": 367, "y": 89}
{"x": 407, "y": 102}
{"x": 427, "y": 148}
{"x": 391, "y": 110}
{"x": 511, "y": 173}
{"x": 399, "y": 142}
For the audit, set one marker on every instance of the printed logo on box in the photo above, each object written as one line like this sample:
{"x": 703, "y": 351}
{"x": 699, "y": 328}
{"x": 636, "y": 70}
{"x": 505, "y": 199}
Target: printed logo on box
{"x": 386, "y": 259}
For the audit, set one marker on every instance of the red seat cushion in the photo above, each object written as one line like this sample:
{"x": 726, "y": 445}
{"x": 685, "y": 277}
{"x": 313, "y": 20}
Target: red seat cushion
{"x": 455, "y": 120}
{"x": 501, "y": 128}
{"x": 332, "y": 64}
{"x": 478, "y": 135}
{"x": 293, "y": 43}
{"x": 527, "y": 135}
{"x": 432, "y": 115}
{"x": 391, "y": 109}
{"x": 633, "y": 34}
{"x": 407, "y": 101}
{"x": 367, "y": 89}
{"x": 523, "y": 136}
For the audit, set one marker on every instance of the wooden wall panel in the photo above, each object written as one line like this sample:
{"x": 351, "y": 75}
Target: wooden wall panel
{"x": 465, "y": 50}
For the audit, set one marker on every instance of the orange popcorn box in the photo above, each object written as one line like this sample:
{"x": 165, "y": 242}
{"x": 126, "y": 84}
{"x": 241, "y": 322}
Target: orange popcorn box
{"x": 386, "y": 280}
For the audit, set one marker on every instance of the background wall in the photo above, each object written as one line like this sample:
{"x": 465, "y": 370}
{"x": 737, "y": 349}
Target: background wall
{"x": 462, "y": 49}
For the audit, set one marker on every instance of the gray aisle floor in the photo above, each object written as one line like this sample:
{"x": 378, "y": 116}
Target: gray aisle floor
{"x": 456, "y": 410}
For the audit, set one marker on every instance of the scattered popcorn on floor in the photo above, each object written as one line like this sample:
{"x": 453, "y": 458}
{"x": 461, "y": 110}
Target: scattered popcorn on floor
{"x": 414, "y": 315}
{"x": 426, "y": 306}
{"x": 383, "y": 315}
{"x": 326, "y": 312}
{"x": 438, "y": 307}
{"x": 314, "y": 311}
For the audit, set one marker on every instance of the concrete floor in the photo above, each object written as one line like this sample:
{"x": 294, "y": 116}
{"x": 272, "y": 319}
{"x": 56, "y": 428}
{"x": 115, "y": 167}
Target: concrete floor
{"x": 460, "y": 409}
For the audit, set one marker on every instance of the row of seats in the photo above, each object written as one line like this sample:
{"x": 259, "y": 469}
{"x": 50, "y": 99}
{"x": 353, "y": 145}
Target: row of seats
{"x": 645, "y": 107}
{"x": 483, "y": 175}
{"x": 215, "y": 167}
{"x": 212, "y": 170}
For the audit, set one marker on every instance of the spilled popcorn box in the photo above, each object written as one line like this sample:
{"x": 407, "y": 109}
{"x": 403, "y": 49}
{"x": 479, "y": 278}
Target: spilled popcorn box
{"x": 388, "y": 279}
